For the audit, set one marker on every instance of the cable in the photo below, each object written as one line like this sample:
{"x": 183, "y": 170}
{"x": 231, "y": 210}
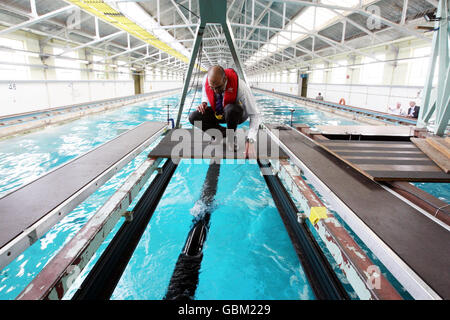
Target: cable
{"x": 187, "y": 9}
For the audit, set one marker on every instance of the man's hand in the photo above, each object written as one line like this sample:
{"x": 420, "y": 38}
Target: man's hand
{"x": 250, "y": 150}
{"x": 202, "y": 107}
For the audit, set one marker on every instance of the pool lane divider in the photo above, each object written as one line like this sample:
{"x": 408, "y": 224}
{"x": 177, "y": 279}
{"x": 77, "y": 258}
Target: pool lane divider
{"x": 323, "y": 280}
{"x": 184, "y": 280}
{"x": 102, "y": 280}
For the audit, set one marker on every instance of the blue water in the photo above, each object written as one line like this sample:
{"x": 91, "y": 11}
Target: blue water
{"x": 248, "y": 254}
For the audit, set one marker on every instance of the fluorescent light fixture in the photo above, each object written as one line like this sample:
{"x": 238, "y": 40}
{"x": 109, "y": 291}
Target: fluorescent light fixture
{"x": 134, "y": 12}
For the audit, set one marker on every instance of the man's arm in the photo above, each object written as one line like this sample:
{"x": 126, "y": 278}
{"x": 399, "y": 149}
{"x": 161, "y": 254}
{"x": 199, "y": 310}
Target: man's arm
{"x": 248, "y": 101}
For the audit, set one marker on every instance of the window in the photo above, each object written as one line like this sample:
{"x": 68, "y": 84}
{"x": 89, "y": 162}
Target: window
{"x": 124, "y": 73}
{"x": 99, "y": 68}
{"x": 8, "y": 59}
{"x": 318, "y": 74}
{"x": 372, "y": 72}
{"x": 293, "y": 76}
{"x": 284, "y": 76}
{"x": 338, "y": 74}
{"x": 418, "y": 68}
{"x": 67, "y": 69}
{"x": 148, "y": 74}
{"x": 157, "y": 74}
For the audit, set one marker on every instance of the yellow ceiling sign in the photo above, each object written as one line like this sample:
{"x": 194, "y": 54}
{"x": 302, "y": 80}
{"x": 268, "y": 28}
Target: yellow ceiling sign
{"x": 109, "y": 14}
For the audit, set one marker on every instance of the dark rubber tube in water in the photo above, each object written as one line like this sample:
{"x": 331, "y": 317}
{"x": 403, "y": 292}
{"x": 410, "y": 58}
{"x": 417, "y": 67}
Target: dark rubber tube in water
{"x": 184, "y": 280}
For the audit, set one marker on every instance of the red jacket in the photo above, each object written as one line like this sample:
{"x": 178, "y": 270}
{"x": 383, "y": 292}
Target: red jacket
{"x": 231, "y": 89}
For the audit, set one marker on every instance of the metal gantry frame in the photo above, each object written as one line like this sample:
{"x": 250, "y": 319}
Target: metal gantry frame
{"x": 210, "y": 13}
{"x": 439, "y": 104}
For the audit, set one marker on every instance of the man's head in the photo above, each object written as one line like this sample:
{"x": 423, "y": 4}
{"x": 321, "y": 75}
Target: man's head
{"x": 320, "y": 94}
{"x": 399, "y": 105}
{"x": 412, "y": 104}
{"x": 217, "y": 79}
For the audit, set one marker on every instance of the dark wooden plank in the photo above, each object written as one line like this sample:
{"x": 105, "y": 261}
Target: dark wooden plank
{"x": 372, "y": 142}
{"x": 373, "y": 149}
{"x": 419, "y": 241}
{"x": 411, "y": 176}
{"x": 382, "y": 154}
{"x": 382, "y": 172}
{"x": 380, "y": 151}
{"x": 170, "y": 146}
{"x": 359, "y": 157}
{"x": 400, "y": 168}
{"x": 391, "y": 161}
{"x": 370, "y": 145}
{"x": 26, "y": 205}
{"x": 366, "y": 130}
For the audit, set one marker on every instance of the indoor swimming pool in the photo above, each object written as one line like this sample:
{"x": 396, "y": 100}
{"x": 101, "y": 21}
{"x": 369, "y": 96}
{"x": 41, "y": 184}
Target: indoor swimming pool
{"x": 248, "y": 253}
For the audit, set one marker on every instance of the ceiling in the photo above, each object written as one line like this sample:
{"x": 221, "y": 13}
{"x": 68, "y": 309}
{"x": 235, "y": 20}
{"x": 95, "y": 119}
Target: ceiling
{"x": 269, "y": 34}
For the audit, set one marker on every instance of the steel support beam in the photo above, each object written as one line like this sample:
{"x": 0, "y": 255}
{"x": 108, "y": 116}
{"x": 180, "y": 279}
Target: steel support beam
{"x": 438, "y": 107}
{"x": 212, "y": 13}
{"x": 35, "y": 20}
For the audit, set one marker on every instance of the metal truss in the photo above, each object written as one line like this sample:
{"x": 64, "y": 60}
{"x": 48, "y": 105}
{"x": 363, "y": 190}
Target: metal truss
{"x": 254, "y": 24}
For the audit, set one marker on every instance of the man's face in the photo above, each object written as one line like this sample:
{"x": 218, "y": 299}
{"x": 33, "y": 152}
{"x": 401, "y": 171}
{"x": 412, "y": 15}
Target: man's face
{"x": 412, "y": 104}
{"x": 217, "y": 84}
{"x": 398, "y": 105}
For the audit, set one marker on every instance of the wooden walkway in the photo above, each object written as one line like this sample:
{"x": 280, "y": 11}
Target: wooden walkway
{"x": 387, "y": 160}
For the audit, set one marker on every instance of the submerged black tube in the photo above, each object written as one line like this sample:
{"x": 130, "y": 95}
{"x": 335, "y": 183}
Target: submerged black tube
{"x": 184, "y": 280}
{"x": 104, "y": 276}
{"x": 323, "y": 280}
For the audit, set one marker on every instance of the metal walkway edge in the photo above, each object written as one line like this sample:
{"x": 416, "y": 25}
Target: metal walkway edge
{"x": 107, "y": 271}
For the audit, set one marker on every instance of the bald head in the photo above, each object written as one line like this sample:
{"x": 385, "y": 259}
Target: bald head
{"x": 216, "y": 78}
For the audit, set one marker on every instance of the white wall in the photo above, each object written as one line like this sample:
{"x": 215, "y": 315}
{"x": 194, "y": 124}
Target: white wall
{"x": 22, "y": 96}
{"x": 151, "y": 86}
{"x": 374, "y": 97}
{"x": 291, "y": 88}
